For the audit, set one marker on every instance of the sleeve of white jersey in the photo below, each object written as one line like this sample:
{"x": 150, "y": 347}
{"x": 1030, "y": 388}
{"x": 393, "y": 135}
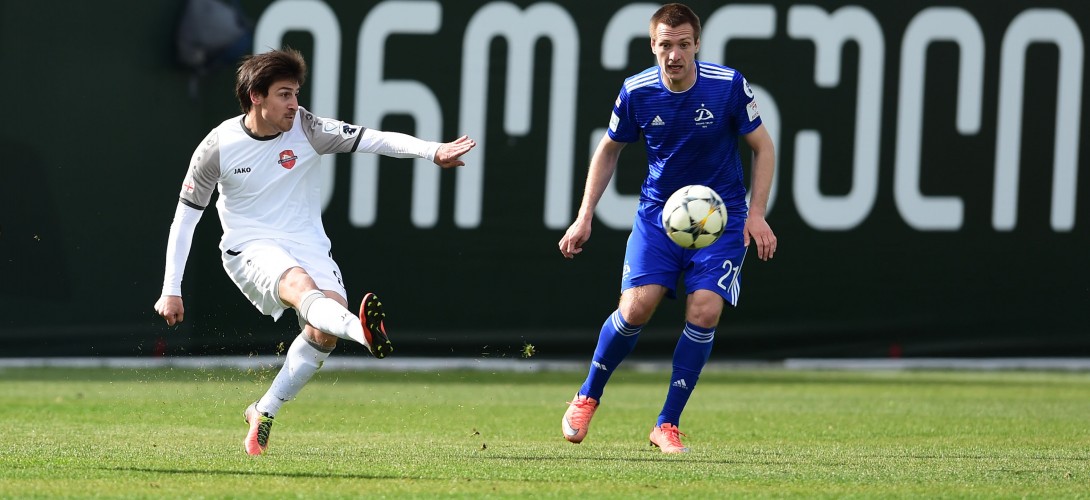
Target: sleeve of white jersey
{"x": 179, "y": 242}
{"x": 396, "y": 144}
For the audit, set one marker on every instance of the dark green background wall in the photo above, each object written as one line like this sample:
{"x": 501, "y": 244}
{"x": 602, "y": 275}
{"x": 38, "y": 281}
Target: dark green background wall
{"x": 102, "y": 120}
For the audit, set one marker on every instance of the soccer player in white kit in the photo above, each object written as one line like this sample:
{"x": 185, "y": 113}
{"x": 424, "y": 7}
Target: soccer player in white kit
{"x": 274, "y": 247}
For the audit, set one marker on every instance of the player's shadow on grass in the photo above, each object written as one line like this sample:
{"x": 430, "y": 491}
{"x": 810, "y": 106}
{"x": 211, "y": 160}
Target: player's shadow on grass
{"x": 252, "y": 473}
{"x": 656, "y": 456}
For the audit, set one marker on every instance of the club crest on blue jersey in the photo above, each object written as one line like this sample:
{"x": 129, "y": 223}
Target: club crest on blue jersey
{"x": 704, "y": 116}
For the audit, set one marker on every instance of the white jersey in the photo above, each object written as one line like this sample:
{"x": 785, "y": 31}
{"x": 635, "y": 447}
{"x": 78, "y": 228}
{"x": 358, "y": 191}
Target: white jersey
{"x": 270, "y": 186}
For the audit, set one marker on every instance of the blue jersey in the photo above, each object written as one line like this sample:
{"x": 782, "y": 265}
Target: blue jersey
{"x": 692, "y": 136}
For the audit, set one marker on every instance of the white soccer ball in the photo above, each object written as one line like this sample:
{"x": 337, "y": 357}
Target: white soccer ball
{"x": 694, "y": 216}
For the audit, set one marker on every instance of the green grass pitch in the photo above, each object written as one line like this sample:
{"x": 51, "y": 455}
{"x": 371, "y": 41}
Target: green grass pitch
{"x": 173, "y": 433}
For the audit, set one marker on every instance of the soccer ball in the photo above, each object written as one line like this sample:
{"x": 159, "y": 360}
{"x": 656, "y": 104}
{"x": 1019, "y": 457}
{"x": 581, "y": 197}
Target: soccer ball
{"x": 694, "y": 216}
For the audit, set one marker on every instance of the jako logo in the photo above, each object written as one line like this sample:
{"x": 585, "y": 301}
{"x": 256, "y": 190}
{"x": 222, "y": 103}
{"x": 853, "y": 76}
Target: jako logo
{"x": 287, "y": 159}
{"x": 242, "y": 170}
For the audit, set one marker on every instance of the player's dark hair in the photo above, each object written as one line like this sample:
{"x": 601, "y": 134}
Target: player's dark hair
{"x": 674, "y": 15}
{"x": 259, "y": 71}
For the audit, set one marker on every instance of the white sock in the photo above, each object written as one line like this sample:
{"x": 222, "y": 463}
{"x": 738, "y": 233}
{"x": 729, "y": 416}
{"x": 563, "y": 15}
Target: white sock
{"x": 331, "y": 317}
{"x": 302, "y": 361}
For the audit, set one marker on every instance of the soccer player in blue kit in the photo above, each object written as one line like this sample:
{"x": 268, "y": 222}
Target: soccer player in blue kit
{"x": 690, "y": 115}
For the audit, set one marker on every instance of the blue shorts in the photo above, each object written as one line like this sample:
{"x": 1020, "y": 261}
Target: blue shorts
{"x": 652, "y": 258}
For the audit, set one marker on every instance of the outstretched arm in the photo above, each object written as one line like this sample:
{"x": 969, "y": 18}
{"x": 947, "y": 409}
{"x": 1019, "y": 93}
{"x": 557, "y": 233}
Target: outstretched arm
{"x": 764, "y": 163}
{"x": 400, "y": 145}
{"x": 602, "y": 166}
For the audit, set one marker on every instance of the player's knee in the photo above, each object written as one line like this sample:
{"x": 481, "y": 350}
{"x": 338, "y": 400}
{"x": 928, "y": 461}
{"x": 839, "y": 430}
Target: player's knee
{"x": 704, "y": 308}
{"x": 704, "y": 320}
{"x": 635, "y": 312}
{"x": 638, "y": 304}
{"x": 294, "y": 283}
{"x": 294, "y": 277}
{"x": 704, "y": 316}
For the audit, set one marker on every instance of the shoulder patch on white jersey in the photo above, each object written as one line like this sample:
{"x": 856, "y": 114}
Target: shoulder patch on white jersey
{"x": 337, "y": 127}
{"x": 349, "y": 131}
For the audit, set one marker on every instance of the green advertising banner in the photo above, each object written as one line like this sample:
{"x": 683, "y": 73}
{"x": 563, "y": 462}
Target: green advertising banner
{"x": 930, "y": 195}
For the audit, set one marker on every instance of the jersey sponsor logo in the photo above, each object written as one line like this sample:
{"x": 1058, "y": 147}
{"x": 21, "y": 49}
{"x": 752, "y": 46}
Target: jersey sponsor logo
{"x": 657, "y": 122}
{"x": 242, "y": 170}
{"x": 745, "y": 87}
{"x": 287, "y": 159}
{"x": 751, "y": 109}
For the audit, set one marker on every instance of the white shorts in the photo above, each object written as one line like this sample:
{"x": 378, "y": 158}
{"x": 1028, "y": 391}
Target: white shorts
{"x": 257, "y": 266}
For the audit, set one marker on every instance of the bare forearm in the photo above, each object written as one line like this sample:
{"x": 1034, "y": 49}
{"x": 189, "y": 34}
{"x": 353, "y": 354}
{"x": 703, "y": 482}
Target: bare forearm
{"x": 764, "y": 165}
{"x": 602, "y": 166}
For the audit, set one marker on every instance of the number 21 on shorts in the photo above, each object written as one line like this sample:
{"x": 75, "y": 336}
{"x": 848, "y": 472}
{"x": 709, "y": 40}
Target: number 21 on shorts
{"x": 729, "y": 280}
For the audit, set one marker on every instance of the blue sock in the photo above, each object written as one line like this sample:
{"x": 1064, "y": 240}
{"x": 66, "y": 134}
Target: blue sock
{"x": 692, "y": 352}
{"x": 615, "y": 342}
